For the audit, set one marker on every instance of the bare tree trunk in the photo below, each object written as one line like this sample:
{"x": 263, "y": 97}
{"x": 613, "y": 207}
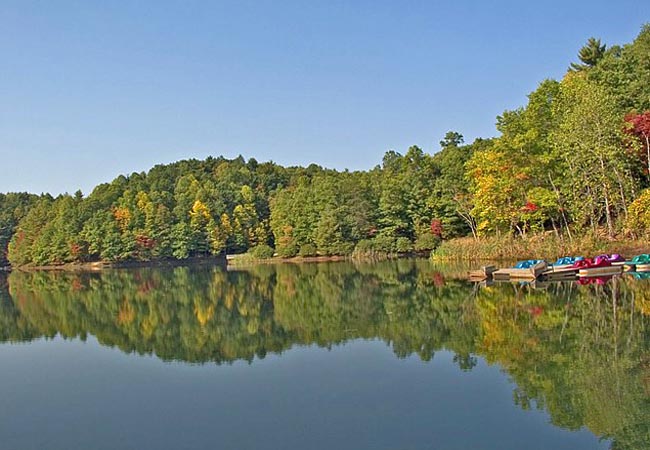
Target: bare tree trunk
{"x": 465, "y": 212}
{"x": 608, "y": 215}
{"x": 520, "y": 230}
{"x": 622, "y": 191}
{"x": 469, "y": 220}
{"x": 593, "y": 209}
{"x": 561, "y": 205}
{"x": 608, "y": 207}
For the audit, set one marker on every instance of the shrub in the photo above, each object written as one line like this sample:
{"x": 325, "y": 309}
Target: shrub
{"x": 364, "y": 245}
{"x": 261, "y": 251}
{"x": 403, "y": 245}
{"x": 367, "y": 249}
{"x": 638, "y": 220}
{"x": 307, "y": 250}
{"x": 340, "y": 248}
{"x": 426, "y": 241}
{"x": 289, "y": 250}
{"x": 384, "y": 243}
{"x": 382, "y": 247}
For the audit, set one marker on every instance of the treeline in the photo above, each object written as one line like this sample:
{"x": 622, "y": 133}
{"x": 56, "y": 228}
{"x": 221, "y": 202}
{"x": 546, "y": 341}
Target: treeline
{"x": 194, "y": 208}
{"x": 575, "y": 159}
{"x": 13, "y": 207}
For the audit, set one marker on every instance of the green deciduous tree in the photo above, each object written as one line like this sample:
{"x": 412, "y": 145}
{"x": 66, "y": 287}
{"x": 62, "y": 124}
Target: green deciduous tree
{"x": 589, "y": 143}
{"x": 625, "y": 73}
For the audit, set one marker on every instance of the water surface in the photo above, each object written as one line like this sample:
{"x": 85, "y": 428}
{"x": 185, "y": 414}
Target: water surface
{"x": 394, "y": 355}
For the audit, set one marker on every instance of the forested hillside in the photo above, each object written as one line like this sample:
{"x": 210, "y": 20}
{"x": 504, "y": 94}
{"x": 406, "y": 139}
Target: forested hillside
{"x": 574, "y": 159}
{"x": 194, "y": 208}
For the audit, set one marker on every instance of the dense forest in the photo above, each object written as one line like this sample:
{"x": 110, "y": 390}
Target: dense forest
{"x": 574, "y": 160}
{"x": 579, "y": 352}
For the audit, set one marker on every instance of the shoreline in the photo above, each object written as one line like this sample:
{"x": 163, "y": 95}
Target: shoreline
{"x": 230, "y": 261}
{"x": 243, "y": 260}
{"x": 464, "y": 249}
{"x": 97, "y": 266}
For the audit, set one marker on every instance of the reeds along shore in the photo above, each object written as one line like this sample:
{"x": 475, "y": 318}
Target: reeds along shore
{"x": 542, "y": 246}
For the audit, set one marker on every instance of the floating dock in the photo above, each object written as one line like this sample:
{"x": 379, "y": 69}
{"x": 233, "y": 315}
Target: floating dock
{"x": 561, "y": 268}
{"x": 542, "y": 271}
{"x": 565, "y": 275}
{"x": 600, "y": 271}
{"x": 512, "y": 273}
{"x": 481, "y": 274}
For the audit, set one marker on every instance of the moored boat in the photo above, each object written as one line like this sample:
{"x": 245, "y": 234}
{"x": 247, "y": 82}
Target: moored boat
{"x": 564, "y": 265}
{"x": 640, "y": 263}
{"x": 599, "y": 266}
{"x": 614, "y": 259}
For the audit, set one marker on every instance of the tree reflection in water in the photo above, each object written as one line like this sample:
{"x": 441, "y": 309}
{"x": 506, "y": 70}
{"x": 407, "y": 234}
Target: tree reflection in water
{"x": 578, "y": 351}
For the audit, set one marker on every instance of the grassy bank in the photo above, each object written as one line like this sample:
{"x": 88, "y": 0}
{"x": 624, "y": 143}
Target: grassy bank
{"x": 544, "y": 246}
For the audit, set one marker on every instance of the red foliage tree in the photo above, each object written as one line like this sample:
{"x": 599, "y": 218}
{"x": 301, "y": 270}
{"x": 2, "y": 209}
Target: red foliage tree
{"x": 530, "y": 207}
{"x": 436, "y": 228}
{"x": 638, "y": 125}
{"x": 144, "y": 245}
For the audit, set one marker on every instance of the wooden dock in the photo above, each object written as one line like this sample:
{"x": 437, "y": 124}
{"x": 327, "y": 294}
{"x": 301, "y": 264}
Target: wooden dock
{"x": 481, "y": 274}
{"x": 600, "y": 271}
{"x": 543, "y": 272}
{"x": 566, "y": 275}
{"x": 564, "y": 268}
{"x": 530, "y": 273}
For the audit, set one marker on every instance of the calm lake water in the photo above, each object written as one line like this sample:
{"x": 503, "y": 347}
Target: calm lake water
{"x": 394, "y": 355}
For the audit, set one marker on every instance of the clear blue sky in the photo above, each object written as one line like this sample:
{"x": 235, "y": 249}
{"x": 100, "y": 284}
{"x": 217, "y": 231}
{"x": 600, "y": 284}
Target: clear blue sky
{"x": 89, "y": 90}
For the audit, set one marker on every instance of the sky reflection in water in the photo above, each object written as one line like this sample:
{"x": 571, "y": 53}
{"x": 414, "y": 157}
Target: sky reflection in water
{"x": 391, "y": 355}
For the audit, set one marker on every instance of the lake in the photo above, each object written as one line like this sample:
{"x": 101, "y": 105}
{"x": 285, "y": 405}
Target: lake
{"x": 393, "y": 355}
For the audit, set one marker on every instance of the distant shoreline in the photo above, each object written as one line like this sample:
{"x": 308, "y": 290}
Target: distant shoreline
{"x": 231, "y": 261}
{"x": 97, "y": 266}
{"x": 242, "y": 260}
{"x": 459, "y": 249}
